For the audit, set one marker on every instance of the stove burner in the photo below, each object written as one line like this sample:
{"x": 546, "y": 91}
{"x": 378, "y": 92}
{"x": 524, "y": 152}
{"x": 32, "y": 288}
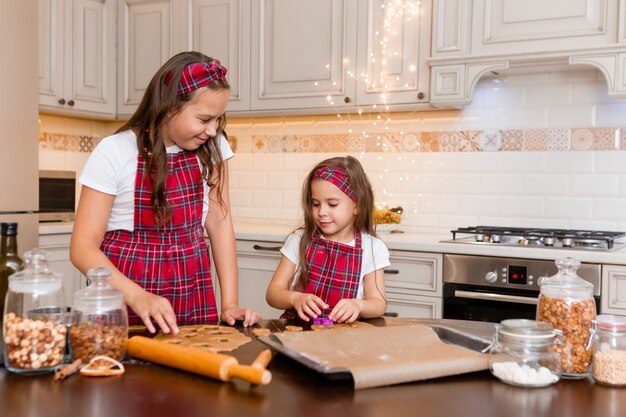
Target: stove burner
{"x": 536, "y": 237}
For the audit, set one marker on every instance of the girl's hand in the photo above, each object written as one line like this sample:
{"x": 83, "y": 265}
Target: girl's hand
{"x": 308, "y": 305}
{"x": 147, "y": 305}
{"x": 346, "y": 310}
{"x": 232, "y": 313}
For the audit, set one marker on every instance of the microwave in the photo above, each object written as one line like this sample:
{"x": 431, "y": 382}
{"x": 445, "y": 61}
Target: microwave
{"x": 57, "y": 196}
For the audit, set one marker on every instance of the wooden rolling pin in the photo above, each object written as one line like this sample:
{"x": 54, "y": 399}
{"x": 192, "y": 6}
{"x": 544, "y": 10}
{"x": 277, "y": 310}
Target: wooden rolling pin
{"x": 213, "y": 365}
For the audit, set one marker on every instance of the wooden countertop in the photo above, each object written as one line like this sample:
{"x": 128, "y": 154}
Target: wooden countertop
{"x": 154, "y": 391}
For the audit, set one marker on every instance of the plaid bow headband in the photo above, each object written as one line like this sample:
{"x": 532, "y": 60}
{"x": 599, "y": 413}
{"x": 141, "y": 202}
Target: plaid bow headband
{"x": 199, "y": 74}
{"x": 336, "y": 176}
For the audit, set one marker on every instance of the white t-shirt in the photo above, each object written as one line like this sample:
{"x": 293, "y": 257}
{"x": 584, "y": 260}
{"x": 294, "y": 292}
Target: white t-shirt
{"x": 112, "y": 168}
{"x": 375, "y": 255}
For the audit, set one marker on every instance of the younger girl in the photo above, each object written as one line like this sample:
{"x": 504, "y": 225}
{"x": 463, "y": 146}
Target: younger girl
{"x": 333, "y": 265}
{"x": 149, "y": 192}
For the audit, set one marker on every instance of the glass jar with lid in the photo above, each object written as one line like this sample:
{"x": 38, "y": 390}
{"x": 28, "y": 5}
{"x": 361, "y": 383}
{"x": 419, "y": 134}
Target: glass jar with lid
{"x": 525, "y": 353}
{"x": 35, "y": 318}
{"x": 608, "y": 347}
{"x": 99, "y": 319}
{"x": 566, "y": 303}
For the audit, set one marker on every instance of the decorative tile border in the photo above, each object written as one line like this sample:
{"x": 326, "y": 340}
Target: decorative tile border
{"x": 84, "y": 143}
{"x": 564, "y": 139}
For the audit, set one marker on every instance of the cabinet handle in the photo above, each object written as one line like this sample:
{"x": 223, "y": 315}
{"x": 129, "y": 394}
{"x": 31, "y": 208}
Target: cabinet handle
{"x": 391, "y": 271}
{"x": 61, "y": 101}
{"x": 70, "y": 103}
{"x": 347, "y": 100}
{"x": 390, "y": 314}
{"x": 421, "y": 95}
{"x": 270, "y": 248}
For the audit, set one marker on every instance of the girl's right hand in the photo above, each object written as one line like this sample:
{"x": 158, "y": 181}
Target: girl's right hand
{"x": 149, "y": 306}
{"x": 308, "y": 305}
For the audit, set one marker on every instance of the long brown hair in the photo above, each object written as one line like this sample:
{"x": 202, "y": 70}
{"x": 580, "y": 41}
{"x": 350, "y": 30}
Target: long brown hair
{"x": 364, "y": 219}
{"x": 160, "y": 101}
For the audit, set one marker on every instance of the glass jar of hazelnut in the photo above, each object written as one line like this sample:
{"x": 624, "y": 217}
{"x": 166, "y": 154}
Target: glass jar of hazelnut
{"x": 35, "y": 319}
{"x": 566, "y": 303}
{"x": 99, "y": 319}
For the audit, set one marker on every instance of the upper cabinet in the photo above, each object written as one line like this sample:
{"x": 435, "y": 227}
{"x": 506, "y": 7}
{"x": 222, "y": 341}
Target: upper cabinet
{"x": 145, "y": 42}
{"x": 334, "y": 55}
{"x": 77, "y": 56}
{"x": 473, "y": 37}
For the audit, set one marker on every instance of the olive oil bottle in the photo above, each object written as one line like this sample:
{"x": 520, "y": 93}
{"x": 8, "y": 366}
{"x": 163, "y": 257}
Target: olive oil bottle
{"x": 10, "y": 262}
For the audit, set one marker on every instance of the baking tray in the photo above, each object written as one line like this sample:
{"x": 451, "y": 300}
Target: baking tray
{"x": 446, "y": 334}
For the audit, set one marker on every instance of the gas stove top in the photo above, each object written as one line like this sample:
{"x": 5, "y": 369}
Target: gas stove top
{"x": 539, "y": 238}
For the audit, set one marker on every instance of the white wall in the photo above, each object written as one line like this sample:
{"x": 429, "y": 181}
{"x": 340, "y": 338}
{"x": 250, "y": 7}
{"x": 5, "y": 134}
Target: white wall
{"x": 445, "y": 190}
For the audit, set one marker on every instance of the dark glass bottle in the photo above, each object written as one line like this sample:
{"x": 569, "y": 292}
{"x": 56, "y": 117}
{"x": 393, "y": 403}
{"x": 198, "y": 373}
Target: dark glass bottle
{"x": 10, "y": 262}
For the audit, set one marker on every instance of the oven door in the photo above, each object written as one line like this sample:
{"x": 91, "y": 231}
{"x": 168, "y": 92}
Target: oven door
{"x": 480, "y": 303}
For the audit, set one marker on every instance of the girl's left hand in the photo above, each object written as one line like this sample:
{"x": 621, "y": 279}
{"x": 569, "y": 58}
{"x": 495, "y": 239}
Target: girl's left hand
{"x": 230, "y": 314}
{"x": 346, "y": 310}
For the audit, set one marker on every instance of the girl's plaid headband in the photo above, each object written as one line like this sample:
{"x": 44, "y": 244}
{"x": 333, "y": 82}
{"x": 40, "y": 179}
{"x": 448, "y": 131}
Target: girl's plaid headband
{"x": 199, "y": 74}
{"x": 336, "y": 176}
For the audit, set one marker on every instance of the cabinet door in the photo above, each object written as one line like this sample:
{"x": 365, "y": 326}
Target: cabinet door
{"x": 89, "y": 69}
{"x": 145, "y": 43}
{"x": 58, "y": 248}
{"x": 613, "y": 289}
{"x": 257, "y": 263}
{"x": 51, "y": 44}
{"x": 221, "y": 29}
{"x": 303, "y": 54}
{"x": 393, "y": 45}
{"x": 510, "y": 27}
{"x": 418, "y": 273}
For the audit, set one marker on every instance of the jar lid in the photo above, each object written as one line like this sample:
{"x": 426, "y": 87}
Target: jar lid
{"x": 610, "y": 322}
{"x": 99, "y": 296}
{"x": 526, "y": 332}
{"x": 566, "y": 278}
{"x": 35, "y": 278}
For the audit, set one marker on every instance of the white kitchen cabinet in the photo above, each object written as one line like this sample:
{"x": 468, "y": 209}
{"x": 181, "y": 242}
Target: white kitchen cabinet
{"x": 58, "y": 248}
{"x": 146, "y": 41}
{"x": 257, "y": 262}
{"x": 77, "y": 73}
{"x": 614, "y": 289}
{"x": 473, "y": 37}
{"x": 414, "y": 284}
{"x": 302, "y": 53}
{"x": 392, "y": 52}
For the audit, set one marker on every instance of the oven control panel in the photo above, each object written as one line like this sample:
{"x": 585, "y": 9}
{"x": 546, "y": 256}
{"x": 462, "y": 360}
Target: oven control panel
{"x": 508, "y": 272}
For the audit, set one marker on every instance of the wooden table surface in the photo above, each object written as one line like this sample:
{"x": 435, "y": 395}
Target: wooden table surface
{"x": 153, "y": 391}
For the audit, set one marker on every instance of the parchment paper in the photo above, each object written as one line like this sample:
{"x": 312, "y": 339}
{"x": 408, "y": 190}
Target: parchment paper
{"x": 380, "y": 356}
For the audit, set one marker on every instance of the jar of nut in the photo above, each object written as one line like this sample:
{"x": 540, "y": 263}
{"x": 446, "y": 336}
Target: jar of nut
{"x": 609, "y": 350}
{"x": 35, "y": 317}
{"x": 566, "y": 303}
{"x": 100, "y": 319}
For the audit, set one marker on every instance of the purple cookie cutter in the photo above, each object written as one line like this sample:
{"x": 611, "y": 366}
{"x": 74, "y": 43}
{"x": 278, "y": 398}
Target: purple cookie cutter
{"x": 324, "y": 321}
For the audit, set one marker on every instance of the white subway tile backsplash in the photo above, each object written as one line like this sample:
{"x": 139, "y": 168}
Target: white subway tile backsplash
{"x": 522, "y": 206}
{"x": 498, "y": 183}
{"x": 569, "y": 207}
{"x": 523, "y": 117}
{"x": 480, "y": 205}
{"x": 548, "y": 94}
{"x": 610, "y": 162}
{"x": 570, "y": 162}
{"x": 267, "y": 198}
{"x": 252, "y": 180}
{"x": 566, "y": 116}
{"x": 594, "y": 186}
{"x": 239, "y": 197}
{"x": 610, "y": 208}
{"x": 444, "y": 204}
{"x": 546, "y": 184}
{"x": 611, "y": 114}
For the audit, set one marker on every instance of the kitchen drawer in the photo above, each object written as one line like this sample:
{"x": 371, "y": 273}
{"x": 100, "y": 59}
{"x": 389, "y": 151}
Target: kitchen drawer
{"x": 415, "y": 273}
{"x": 414, "y": 306}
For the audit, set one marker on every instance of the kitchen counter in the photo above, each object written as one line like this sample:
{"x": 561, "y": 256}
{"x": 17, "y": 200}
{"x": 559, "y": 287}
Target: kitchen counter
{"x": 423, "y": 242}
{"x": 154, "y": 391}
{"x": 409, "y": 241}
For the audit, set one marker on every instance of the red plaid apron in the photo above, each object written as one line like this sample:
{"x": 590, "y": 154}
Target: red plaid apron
{"x": 172, "y": 261}
{"x": 334, "y": 270}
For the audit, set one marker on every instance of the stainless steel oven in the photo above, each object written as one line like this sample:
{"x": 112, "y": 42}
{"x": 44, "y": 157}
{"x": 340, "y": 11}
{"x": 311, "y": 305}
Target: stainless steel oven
{"x": 487, "y": 288}
{"x": 484, "y": 288}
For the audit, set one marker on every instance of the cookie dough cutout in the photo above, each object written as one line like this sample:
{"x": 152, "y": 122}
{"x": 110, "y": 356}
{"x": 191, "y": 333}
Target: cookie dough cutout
{"x": 261, "y": 332}
{"x": 293, "y": 328}
{"x": 210, "y": 338}
{"x": 336, "y": 326}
